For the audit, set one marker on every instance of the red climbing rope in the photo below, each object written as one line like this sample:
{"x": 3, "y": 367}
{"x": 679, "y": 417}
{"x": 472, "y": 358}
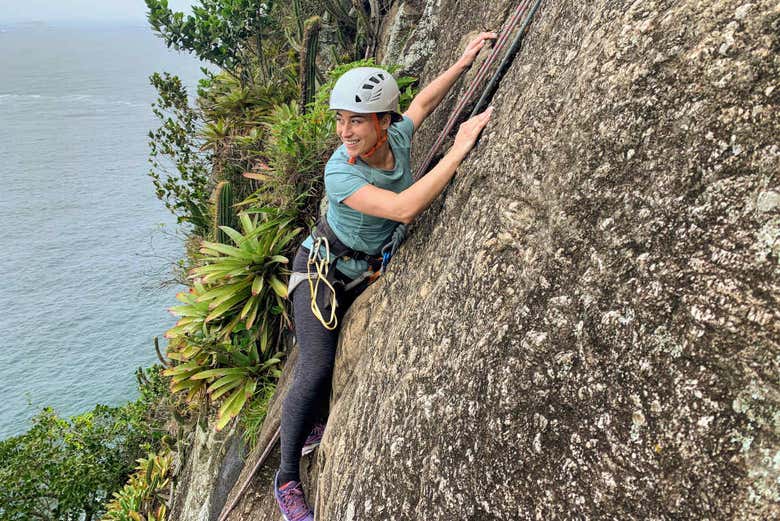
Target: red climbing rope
{"x": 503, "y": 38}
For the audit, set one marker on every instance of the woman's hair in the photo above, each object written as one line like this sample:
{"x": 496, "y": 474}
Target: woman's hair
{"x": 394, "y": 118}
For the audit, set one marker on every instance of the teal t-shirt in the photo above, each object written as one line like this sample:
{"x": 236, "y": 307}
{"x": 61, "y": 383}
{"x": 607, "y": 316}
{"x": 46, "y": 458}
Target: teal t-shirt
{"x": 355, "y": 229}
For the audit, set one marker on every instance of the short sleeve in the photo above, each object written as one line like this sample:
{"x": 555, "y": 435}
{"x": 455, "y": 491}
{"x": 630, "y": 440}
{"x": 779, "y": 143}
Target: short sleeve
{"x": 405, "y": 128}
{"x": 340, "y": 185}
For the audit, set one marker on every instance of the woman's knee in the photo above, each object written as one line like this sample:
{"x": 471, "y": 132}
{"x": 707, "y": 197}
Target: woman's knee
{"x": 310, "y": 387}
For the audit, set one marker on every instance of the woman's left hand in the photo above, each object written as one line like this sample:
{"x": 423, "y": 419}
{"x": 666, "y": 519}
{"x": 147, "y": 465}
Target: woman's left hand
{"x": 473, "y": 48}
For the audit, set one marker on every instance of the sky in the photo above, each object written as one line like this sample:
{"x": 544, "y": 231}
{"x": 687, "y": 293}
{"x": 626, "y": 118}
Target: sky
{"x": 14, "y": 11}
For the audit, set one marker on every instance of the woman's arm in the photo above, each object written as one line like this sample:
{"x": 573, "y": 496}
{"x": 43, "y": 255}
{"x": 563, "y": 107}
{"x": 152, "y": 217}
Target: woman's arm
{"x": 404, "y": 207}
{"x": 429, "y": 98}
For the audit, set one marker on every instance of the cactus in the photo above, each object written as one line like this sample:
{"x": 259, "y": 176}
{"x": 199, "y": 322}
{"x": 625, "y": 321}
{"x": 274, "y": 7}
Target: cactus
{"x": 299, "y": 24}
{"x": 308, "y": 61}
{"x": 223, "y": 214}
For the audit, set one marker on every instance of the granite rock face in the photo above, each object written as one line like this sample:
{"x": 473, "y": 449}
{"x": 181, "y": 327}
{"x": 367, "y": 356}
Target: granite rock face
{"x": 587, "y": 325}
{"x": 214, "y": 461}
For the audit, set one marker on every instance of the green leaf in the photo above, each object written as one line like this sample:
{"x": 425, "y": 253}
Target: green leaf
{"x": 278, "y": 286}
{"x": 249, "y": 388}
{"x": 257, "y": 285}
{"x": 250, "y": 303}
{"x": 182, "y": 368}
{"x": 264, "y": 337}
{"x": 187, "y": 385}
{"x": 238, "y": 291}
{"x": 277, "y": 259}
{"x": 270, "y": 363}
{"x": 222, "y": 290}
{"x": 233, "y": 234}
{"x": 224, "y": 307}
{"x": 250, "y": 319}
{"x": 222, "y": 371}
{"x": 246, "y": 222}
{"x": 227, "y": 330}
{"x": 181, "y": 377}
{"x": 216, "y": 395}
{"x": 230, "y": 408}
{"x": 230, "y": 251}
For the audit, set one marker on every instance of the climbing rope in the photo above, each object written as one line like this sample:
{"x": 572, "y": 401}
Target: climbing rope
{"x": 259, "y": 463}
{"x": 321, "y": 266}
{"x": 506, "y": 62}
{"x": 506, "y": 30}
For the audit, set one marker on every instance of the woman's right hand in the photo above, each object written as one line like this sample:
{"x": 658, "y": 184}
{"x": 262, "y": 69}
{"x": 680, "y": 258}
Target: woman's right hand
{"x": 469, "y": 132}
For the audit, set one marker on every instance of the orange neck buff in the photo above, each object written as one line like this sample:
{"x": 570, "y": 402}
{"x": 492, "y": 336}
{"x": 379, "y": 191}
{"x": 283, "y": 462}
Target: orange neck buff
{"x": 381, "y": 140}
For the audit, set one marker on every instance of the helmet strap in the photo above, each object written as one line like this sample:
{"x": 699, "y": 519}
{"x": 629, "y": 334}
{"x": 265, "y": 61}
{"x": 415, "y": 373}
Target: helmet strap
{"x": 381, "y": 140}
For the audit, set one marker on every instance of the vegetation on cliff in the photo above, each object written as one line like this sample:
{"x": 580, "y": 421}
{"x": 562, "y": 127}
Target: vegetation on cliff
{"x": 240, "y": 168}
{"x": 262, "y": 124}
{"x": 66, "y": 469}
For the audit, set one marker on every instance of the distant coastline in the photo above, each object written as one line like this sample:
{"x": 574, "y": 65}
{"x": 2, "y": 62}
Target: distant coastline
{"x": 33, "y": 25}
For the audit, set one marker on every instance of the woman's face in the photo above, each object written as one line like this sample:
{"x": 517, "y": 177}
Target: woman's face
{"x": 357, "y": 131}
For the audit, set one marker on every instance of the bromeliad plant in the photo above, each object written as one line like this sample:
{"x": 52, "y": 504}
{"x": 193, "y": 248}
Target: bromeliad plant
{"x": 230, "y": 369}
{"x": 233, "y": 313}
{"x": 245, "y": 278}
{"x": 146, "y": 494}
{"x": 238, "y": 284}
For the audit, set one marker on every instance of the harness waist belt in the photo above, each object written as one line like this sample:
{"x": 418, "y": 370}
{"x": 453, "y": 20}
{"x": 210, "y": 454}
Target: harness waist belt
{"x": 338, "y": 248}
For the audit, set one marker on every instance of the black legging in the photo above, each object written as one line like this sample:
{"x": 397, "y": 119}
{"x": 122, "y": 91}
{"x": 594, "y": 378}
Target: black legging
{"x": 307, "y": 400}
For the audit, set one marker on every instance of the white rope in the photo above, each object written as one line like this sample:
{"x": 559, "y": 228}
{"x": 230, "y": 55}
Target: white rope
{"x": 321, "y": 266}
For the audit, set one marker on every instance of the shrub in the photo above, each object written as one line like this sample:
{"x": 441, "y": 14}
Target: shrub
{"x": 180, "y": 170}
{"x": 65, "y": 469}
{"x": 227, "y": 33}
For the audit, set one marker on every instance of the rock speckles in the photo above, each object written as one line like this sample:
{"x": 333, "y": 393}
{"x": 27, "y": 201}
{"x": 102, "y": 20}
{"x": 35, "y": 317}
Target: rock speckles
{"x": 587, "y": 326}
{"x": 600, "y": 280}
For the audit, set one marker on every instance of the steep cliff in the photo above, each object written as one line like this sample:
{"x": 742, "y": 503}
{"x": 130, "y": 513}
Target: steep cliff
{"x": 587, "y": 325}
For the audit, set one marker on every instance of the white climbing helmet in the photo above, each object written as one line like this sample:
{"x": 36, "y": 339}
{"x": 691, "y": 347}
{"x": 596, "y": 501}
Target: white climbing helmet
{"x": 366, "y": 90}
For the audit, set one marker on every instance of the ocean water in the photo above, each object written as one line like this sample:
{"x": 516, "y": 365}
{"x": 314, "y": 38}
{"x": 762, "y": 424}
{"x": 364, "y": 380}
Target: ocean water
{"x": 86, "y": 246}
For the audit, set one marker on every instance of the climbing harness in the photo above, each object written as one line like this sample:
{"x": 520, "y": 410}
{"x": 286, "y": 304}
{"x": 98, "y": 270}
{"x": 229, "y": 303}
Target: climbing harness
{"x": 321, "y": 272}
{"x": 503, "y": 38}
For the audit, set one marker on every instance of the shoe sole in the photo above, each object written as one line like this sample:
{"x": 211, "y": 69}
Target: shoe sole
{"x": 308, "y": 449}
{"x": 276, "y": 489}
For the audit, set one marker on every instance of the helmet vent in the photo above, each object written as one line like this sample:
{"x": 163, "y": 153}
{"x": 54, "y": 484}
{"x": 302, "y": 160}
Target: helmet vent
{"x": 376, "y": 95}
{"x": 357, "y": 98}
{"x": 368, "y": 86}
{"x": 373, "y": 79}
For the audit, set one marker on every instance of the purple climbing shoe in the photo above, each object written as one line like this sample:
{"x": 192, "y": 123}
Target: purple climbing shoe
{"x": 291, "y": 501}
{"x": 314, "y": 439}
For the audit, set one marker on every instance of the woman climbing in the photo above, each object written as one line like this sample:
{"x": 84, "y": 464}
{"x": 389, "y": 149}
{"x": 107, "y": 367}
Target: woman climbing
{"x": 370, "y": 190}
